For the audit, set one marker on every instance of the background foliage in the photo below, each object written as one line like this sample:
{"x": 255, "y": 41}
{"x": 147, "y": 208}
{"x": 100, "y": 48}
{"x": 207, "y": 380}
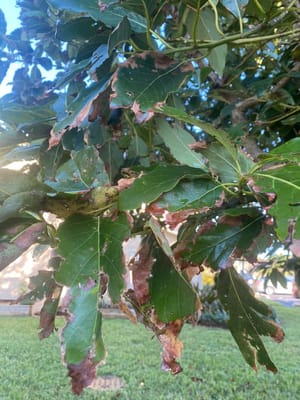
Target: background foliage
{"x": 161, "y": 115}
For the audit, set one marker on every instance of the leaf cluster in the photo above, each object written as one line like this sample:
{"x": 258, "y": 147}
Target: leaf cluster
{"x": 159, "y": 116}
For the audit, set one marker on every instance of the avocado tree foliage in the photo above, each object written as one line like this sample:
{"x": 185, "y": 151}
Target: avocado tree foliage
{"x": 160, "y": 114}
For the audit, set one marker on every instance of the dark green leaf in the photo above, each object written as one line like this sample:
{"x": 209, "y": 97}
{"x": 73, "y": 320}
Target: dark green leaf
{"x": 110, "y": 16}
{"x": 187, "y": 195}
{"x": 285, "y": 182}
{"x": 228, "y": 168}
{"x": 145, "y": 81}
{"x": 259, "y": 8}
{"x": 236, "y": 7}
{"x": 119, "y": 35}
{"x": 179, "y": 140}
{"x": 112, "y": 235}
{"x": 81, "y": 28}
{"x": 249, "y": 318}
{"x": 151, "y": 185}
{"x": 90, "y": 245}
{"x": 215, "y": 246}
{"x": 171, "y": 294}
{"x": 84, "y": 171}
{"x": 78, "y": 109}
{"x": 19, "y": 202}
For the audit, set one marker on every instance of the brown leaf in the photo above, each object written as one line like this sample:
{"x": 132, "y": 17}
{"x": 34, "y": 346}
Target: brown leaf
{"x": 141, "y": 271}
{"x": 279, "y": 335}
{"x": 198, "y": 145}
{"x": 83, "y": 374}
{"x": 125, "y": 183}
{"x": 295, "y": 247}
{"x": 155, "y": 209}
{"x": 175, "y": 218}
{"x": 48, "y": 312}
{"x": 171, "y": 346}
{"x": 103, "y": 283}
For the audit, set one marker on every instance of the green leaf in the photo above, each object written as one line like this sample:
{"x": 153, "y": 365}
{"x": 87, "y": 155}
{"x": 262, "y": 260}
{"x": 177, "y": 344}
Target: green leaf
{"x": 228, "y": 168}
{"x": 249, "y": 318}
{"x": 161, "y": 239}
{"x": 114, "y": 14}
{"x": 119, "y": 35}
{"x": 90, "y": 245}
{"x": 112, "y": 235}
{"x": 12, "y": 182}
{"x": 84, "y": 171}
{"x": 151, "y": 185}
{"x": 110, "y": 16}
{"x": 285, "y": 182}
{"x": 81, "y": 28}
{"x": 20, "y": 115}
{"x": 207, "y": 30}
{"x": 220, "y": 135}
{"x": 178, "y": 141}
{"x": 215, "y": 246}
{"x": 187, "y": 195}
{"x": 171, "y": 294}
{"x": 72, "y": 71}
{"x": 259, "y": 8}
{"x": 144, "y": 81}
{"x": 82, "y": 334}
{"x": 294, "y": 119}
{"x": 289, "y": 151}
{"x": 236, "y": 7}
{"x": 78, "y": 109}
{"x": 40, "y": 285}
{"x": 90, "y": 8}
{"x": 18, "y": 202}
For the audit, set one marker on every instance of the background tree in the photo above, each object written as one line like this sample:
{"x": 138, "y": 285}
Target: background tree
{"x": 161, "y": 114}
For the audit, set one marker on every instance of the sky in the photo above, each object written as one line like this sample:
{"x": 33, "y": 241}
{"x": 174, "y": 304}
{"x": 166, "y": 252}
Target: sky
{"x": 11, "y": 13}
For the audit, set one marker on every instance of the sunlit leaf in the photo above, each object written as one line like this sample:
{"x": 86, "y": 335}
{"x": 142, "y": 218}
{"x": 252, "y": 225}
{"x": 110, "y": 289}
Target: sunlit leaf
{"x": 285, "y": 183}
{"x": 187, "y": 195}
{"x": 178, "y": 140}
{"x": 151, "y": 185}
{"x": 220, "y": 135}
{"x": 228, "y": 168}
{"x": 144, "y": 81}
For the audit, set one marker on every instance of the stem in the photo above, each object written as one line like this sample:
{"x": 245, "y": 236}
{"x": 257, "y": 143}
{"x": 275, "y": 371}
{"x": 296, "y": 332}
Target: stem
{"x": 148, "y": 30}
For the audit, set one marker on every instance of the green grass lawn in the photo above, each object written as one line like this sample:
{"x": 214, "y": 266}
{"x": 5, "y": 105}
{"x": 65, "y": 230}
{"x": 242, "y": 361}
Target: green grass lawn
{"x": 212, "y": 365}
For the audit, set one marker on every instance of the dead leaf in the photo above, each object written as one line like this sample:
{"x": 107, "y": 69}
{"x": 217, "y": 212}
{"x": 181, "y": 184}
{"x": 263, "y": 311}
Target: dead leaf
{"x": 295, "y": 247}
{"x": 83, "y": 374}
{"x": 198, "y": 145}
{"x": 125, "y": 183}
{"x": 141, "y": 271}
{"x": 48, "y": 312}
